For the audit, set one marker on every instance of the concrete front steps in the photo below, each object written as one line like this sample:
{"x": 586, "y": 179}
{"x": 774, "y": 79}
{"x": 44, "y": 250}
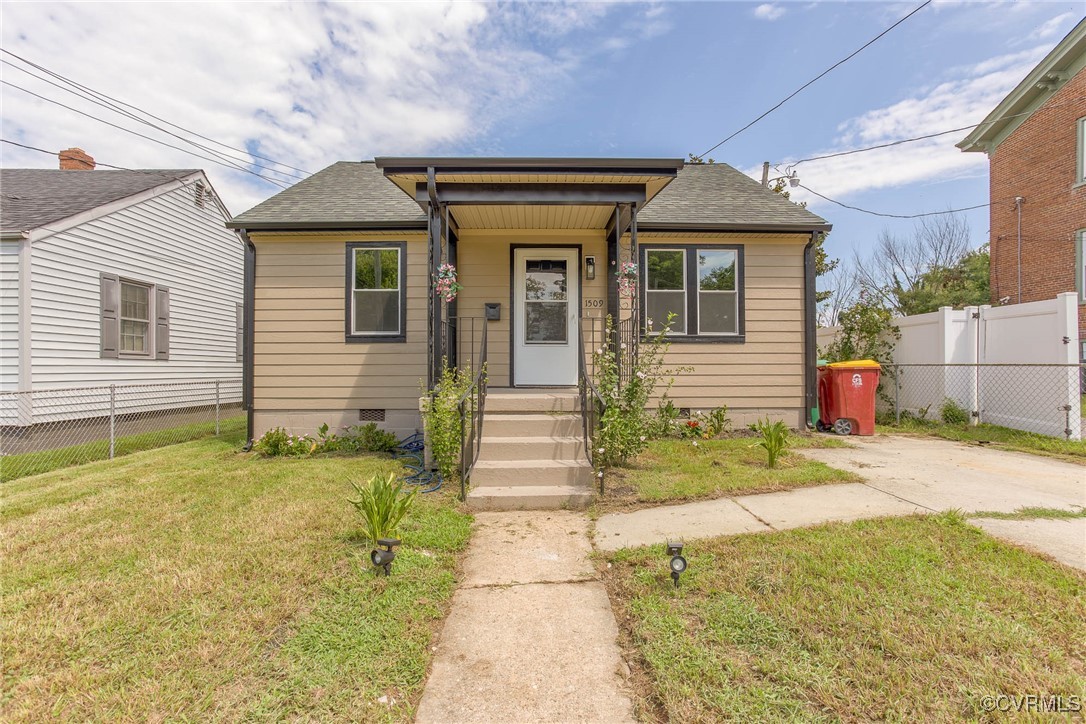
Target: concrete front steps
{"x": 531, "y": 455}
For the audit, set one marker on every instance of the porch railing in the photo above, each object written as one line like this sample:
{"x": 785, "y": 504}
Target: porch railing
{"x": 471, "y": 405}
{"x": 592, "y": 404}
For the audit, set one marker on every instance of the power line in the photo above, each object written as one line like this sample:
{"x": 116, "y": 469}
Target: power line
{"x": 152, "y": 171}
{"x": 88, "y": 96}
{"x": 149, "y": 138}
{"x": 892, "y": 216}
{"x": 818, "y": 77}
{"x": 87, "y": 89}
{"x": 930, "y": 135}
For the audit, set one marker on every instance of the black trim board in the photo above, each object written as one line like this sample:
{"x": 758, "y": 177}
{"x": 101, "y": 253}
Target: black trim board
{"x": 512, "y": 301}
{"x": 348, "y": 289}
{"x": 691, "y": 272}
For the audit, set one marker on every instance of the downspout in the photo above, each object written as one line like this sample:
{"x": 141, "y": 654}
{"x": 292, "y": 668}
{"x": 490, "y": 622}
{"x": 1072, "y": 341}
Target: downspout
{"x": 1018, "y": 205}
{"x": 810, "y": 330}
{"x": 248, "y": 336}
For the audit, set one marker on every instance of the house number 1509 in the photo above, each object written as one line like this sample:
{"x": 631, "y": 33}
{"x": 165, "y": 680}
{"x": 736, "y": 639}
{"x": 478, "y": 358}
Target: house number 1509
{"x": 593, "y": 304}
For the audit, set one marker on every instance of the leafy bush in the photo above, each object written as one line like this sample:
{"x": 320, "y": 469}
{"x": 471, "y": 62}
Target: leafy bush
{"x": 382, "y": 504}
{"x": 441, "y": 418}
{"x": 368, "y": 438}
{"x": 706, "y": 425}
{"x": 774, "y": 439}
{"x": 953, "y": 413}
{"x": 666, "y": 422}
{"x": 279, "y": 443}
{"x": 626, "y": 425}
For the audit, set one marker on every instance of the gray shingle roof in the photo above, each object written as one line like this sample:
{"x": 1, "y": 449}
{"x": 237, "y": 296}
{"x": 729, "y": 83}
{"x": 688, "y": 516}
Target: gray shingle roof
{"x": 357, "y": 194}
{"x": 33, "y": 197}
{"x": 717, "y": 195}
{"x": 345, "y": 193}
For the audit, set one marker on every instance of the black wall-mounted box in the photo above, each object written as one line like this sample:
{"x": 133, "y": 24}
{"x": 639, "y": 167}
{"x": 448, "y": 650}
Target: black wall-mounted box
{"x": 493, "y": 311}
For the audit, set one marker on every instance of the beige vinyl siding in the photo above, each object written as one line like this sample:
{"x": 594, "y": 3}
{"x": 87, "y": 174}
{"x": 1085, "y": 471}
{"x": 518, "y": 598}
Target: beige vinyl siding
{"x": 305, "y": 373}
{"x": 763, "y": 375}
{"x": 484, "y": 262}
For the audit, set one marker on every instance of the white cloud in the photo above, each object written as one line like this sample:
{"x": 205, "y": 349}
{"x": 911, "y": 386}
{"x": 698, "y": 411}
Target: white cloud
{"x": 307, "y": 84}
{"x": 768, "y": 11}
{"x": 970, "y": 94}
{"x": 1052, "y": 27}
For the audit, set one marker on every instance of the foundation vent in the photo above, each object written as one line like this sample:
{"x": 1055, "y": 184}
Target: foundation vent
{"x": 371, "y": 415}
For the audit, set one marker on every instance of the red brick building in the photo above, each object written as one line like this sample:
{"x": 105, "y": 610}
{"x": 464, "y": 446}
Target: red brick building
{"x": 1036, "y": 140}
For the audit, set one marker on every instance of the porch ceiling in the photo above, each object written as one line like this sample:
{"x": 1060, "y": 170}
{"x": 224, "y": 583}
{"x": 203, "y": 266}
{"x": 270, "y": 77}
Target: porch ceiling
{"x": 531, "y": 217}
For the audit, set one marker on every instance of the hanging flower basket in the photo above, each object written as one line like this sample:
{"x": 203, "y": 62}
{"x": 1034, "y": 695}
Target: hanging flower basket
{"x": 445, "y": 284}
{"x": 627, "y": 280}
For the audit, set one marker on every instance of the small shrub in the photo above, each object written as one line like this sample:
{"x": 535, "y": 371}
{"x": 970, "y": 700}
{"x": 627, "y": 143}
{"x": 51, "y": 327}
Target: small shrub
{"x": 774, "y": 439}
{"x": 666, "y": 422}
{"x": 382, "y": 504}
{"x": 279, "y": 443}
{"x": 368, "y": 438}
{"x": 953, "y": 413}
{"x": 441, "y": 418}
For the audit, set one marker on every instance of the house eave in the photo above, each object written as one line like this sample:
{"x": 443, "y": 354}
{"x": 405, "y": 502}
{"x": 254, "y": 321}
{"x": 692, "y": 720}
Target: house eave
{"x": 636, "y": 166}
{"x": 736, "y": 228}
{"x": 328, "y": 225}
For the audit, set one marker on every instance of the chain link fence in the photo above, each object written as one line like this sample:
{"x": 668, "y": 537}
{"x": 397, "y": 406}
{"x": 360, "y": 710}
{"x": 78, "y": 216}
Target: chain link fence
{"x": 43, "y": 430}
{"x": 1038, "y": 405}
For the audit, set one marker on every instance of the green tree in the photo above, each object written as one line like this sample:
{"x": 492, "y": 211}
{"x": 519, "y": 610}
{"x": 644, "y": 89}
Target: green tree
{"x": 867, "y": 332}
{"x": 963, "y": 284}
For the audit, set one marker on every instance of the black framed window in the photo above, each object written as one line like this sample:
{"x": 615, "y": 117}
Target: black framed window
{"x": 700, "y": 285}
{"x": 376, "y": 288}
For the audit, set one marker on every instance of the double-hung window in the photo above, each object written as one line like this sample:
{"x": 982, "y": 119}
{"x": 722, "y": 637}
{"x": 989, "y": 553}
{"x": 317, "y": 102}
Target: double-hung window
{"x": 376, "y": 291}
{"x": 135, "y": 318}
{"x": 699, "y": 287}
{"x": 1080, "y": 155}
{"x": 1080, "y": 265}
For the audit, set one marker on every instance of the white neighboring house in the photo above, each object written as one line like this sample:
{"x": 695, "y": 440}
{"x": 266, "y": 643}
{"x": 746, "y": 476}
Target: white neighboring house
{"x": 111, "y": 277}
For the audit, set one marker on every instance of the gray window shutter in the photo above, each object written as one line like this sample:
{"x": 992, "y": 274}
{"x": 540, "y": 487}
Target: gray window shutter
{"x": 110, "y": 313}
{"x": 239, "y": 324}
{"x": 162, "y": 323}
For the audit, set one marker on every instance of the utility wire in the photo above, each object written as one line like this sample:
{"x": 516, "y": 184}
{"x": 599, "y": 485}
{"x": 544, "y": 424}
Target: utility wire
{"x": 892, "y": 216}
{"x": 925, "y": 137}
{"x": 818, "y": 77}
{"x": 76, "y": 84}
{"x": 229, "y": 158}
{"x": 149, "y": 138}
{"x": 55, "y": 154}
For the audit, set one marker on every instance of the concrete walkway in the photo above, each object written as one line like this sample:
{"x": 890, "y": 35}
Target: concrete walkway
{"x": 531, "y": 635}
{"x": 904, "y": 475}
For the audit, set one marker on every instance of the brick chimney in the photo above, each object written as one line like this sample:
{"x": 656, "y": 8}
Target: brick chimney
{"x": 75, "y": 159}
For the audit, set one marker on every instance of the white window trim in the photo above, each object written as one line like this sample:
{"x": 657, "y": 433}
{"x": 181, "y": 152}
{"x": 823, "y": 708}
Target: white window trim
{"x": 1080, "y": 152}
{"x": 734, "y": 293}
{"x": 1080, "y": 265}
{"x": 149, "y": 346}
{"x": 355, "y": 290}
{"x": 685, "y": 291}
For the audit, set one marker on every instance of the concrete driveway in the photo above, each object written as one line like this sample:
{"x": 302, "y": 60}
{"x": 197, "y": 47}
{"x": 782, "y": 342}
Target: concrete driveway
{"x": 903, "y": 475}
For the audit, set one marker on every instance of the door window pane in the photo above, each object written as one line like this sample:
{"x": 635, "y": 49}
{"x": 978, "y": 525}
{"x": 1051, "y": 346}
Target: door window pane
{"x": 545, "y": 322}
{"x": 545, "y": 279}
{"x": 376, "y": 294}
{"x": 545, "y": 301}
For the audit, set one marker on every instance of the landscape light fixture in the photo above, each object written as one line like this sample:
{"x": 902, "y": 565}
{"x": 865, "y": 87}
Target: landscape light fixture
{"x": 383, "y": 555}
{"x": 678, "y": 563}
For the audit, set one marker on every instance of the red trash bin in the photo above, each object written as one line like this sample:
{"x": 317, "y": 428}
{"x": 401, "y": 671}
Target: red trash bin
{"x": 846, "y": 396}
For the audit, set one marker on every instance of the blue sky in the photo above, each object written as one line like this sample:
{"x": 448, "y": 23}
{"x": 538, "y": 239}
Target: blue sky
{"x": 309, "y": 84}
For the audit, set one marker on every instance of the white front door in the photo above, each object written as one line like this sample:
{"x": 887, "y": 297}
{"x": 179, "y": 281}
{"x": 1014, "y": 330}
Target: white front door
{"x": 546, "y": 305}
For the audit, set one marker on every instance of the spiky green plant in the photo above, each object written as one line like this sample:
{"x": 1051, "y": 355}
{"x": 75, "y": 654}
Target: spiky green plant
{"x": 382, "y": 505}
{"x": 774, "y": 439}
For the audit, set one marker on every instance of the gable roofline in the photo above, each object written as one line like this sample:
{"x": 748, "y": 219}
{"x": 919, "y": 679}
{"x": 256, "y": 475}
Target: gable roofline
{"x": 45, "y": 229}
{"x": 1060, "y": 65}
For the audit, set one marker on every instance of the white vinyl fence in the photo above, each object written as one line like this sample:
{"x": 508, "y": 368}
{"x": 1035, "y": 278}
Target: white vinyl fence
{"x": 1014, "y": 366}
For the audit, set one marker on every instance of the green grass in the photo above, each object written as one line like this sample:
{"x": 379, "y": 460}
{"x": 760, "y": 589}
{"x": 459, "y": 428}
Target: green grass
{"x": 995, "y": 436}
{"x": 1033, "y": 514}
{"x": 910, "y": 619}
{"x": 193, "y": 583}
{"x": 677, "y": 470}
{"x": 35, "y": 463}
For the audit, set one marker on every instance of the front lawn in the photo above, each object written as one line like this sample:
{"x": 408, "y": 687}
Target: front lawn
{"x": 678, "y": 470}
{"x": 193, "y": 582}
{"x": 910, "y": 619}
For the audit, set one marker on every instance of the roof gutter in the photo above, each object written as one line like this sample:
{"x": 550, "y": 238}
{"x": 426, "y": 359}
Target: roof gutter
{"x": 410, "y": 225}
{"x": 824, "y": 227}
{"x": 647, "y": 166}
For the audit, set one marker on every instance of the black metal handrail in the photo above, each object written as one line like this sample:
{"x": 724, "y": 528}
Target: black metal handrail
{"x": 592, "y": 404}
{"x": 471, "y": 406}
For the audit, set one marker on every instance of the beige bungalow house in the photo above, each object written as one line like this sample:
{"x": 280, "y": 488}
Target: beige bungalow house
{"x": 344, "y": 324}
